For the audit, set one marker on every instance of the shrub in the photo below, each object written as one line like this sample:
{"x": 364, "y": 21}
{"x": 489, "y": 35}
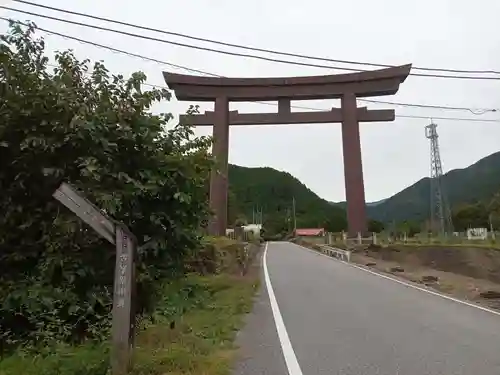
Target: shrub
{"x": 95, "y": 130}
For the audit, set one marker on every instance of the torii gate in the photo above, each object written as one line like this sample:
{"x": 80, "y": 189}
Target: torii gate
{"x": 346, "y": 87}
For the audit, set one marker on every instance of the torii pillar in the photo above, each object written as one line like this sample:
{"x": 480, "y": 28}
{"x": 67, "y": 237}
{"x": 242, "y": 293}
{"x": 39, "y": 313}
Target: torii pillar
{"x": 219, "y": 176}
{"x": 353, "y": 167}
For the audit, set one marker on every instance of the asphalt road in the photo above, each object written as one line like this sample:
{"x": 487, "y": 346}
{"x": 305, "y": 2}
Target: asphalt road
{"x": 342, "y": 320}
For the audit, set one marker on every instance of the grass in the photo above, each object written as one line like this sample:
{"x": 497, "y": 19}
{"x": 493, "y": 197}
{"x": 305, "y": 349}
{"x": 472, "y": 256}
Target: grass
{"x": 59, "y": 360}
{"x": 202, "y": 341}
{"x": 191, "y": 332}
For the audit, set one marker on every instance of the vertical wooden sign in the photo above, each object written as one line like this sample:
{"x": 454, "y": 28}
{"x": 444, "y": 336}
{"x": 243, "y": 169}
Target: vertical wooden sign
{"x": 123, "y": 304}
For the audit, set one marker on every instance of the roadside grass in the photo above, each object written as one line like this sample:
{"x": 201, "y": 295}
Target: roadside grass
{"x": 201, "y": 341}
{"x": 191, "y": 332}
{"x": 88, "y": 359}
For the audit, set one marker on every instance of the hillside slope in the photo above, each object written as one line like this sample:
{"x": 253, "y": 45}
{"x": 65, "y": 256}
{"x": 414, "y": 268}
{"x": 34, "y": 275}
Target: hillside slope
{"x": 478, "y": 182}
{"x": 273, "y": 191}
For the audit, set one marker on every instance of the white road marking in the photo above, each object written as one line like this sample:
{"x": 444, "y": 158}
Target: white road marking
{"x": 406, "y": 283}
{"x": 286, "y": 346}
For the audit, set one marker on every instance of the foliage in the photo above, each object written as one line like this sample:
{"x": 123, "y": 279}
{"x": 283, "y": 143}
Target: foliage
{"x": 191, "y": 331}
{"x": 478, "y": 215}
{"x": 273, "y": 191}
{"x": 375, "y": 226}
{"x": 470, "y": 216}
{"x": 240, "y": 221}
{"x": 87, "y": 359}
{"x": 477, "y": 182}
{"x": 219, "y": 255}
{"x": 83, "y": 125}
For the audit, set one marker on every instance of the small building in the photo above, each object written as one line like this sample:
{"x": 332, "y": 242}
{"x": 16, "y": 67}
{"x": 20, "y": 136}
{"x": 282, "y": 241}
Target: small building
{"x": 309, "y": 232}
{"x": 253, "y": 228}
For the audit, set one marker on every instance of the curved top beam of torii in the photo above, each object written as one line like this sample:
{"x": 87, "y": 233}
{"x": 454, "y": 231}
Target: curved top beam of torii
{"x": 363, "y": 84}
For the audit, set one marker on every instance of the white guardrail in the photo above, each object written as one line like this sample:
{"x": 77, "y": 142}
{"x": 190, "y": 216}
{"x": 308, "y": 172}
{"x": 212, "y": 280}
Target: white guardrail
{"x": 333, "y": 252}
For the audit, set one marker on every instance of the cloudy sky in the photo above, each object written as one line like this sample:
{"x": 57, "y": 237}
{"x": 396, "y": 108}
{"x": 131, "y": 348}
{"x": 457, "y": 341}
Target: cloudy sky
{"x": 437, "y": 34}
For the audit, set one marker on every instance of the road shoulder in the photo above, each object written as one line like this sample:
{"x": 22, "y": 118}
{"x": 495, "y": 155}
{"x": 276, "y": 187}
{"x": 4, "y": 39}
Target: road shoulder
{"x": 259, "y": 350}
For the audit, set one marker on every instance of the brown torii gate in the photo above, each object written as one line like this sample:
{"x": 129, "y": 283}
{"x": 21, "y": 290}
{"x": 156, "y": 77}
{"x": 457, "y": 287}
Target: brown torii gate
{"x": 346, "y": 87}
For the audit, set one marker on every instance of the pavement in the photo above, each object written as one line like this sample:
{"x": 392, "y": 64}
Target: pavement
{"x": 316, "y": 315}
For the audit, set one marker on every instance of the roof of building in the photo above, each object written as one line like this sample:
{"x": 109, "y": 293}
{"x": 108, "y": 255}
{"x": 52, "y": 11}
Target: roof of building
{"x": 309, "y": 231}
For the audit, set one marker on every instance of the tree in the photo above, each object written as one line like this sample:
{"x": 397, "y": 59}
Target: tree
{"x": 94, "y": 129}
{"x": 473, "y": 215}
{"x": 494, "y": 211}
{"x": 375, "y": 226}
{"x": 409, "y": 227}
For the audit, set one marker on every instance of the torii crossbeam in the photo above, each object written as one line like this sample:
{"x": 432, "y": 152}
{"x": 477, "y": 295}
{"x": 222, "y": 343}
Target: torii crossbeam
{"x": 346, "y": 87}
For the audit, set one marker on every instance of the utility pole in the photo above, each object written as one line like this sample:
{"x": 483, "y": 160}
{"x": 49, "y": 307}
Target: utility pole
{"x": 440, "y": 211}
{"x": 493, "y": 235}
{"x": 288, "y": 220}
{"x": 294, "y": 216}
{"x": 256, "y": 215}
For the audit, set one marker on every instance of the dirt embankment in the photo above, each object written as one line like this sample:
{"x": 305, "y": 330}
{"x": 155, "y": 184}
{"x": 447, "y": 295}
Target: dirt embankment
{"x": 470, "y": 273}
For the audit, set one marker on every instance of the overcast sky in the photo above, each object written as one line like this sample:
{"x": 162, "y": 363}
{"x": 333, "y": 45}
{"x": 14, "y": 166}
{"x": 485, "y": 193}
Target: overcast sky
{"x": 439, "y": 33}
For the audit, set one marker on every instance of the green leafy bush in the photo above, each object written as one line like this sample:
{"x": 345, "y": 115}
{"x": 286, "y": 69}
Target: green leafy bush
{"x": 95, "y": 130}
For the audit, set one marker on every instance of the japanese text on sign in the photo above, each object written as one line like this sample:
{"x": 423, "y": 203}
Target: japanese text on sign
{"x": 121, "y": 288}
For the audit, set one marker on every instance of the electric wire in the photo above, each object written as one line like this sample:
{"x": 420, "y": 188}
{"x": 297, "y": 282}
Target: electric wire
{"x": 233, "y": 45}
{"x": 177, "y": 66}
{"x": 230, "y": 53}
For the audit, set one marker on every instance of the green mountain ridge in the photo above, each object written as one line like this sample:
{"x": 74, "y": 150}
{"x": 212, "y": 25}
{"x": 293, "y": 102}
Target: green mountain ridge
{"x": 478, "y": 182}
{"x": 273, "y": 191}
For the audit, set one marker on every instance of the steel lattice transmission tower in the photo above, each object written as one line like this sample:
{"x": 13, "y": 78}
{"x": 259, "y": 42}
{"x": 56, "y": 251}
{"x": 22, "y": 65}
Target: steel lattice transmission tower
{"x": 440, "y": 212}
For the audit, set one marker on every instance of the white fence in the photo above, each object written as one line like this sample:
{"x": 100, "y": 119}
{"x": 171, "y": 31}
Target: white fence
{"x": 333, "y": 252}
{"x": 475, "y": 236}
{"x": 336, "y": 238}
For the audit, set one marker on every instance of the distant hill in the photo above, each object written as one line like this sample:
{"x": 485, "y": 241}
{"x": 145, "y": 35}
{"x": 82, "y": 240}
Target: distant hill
{"x": 478, "y": 182}
{"x": 368, "y": 204}
{"x": 373, "y": 204}
{"x": 274, "y": 190}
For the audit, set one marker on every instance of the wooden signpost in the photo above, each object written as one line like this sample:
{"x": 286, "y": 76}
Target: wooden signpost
{"x": 124, "y": 282}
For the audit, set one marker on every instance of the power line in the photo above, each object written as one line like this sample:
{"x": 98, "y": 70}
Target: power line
{"x": 113, "y": 49}
{"x": 145, "y": 58}
{"x": 474, "y": 111}
{"x": 415, "y": 116}
{"x": 230, "y": 53}
{"x": 226, "y": 44}
{"x": 449, "y": 118}
{"x": 116, "y": 50}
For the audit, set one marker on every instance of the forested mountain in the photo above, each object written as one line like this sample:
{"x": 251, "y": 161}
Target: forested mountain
{"x": 273, "y": 191}
{"x": 478, "y": 182}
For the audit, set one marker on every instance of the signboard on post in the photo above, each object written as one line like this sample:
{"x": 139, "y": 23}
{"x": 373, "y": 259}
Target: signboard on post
{"x": 124, "y": 281}
{"x": 123, "y": 316}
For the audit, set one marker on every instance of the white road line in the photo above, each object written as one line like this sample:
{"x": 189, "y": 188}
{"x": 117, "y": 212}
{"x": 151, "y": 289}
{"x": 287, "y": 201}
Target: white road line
{"x": 286, "y": 346}
{"x": 406, "y": 283}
